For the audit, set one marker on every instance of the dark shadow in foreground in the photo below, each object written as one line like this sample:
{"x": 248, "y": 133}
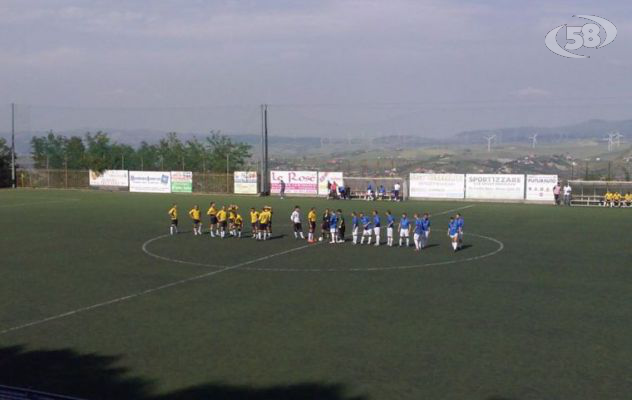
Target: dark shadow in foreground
{"x": 94, "y": 376}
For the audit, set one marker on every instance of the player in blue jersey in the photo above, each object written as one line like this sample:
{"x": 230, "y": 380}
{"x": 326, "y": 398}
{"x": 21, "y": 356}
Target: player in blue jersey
{"x": 418, "y": 232}
{"x": 453, "y": 233}
{"x": 333, "y": 227}
{"x": 376, "y": 227}
{"x": 460, "y": 223}
{"x": 425, "y": 224}
{"x": 390, "y": 224}
{"x": 367, "y": 231}
{"x": 355, "y": 225}
{"x": 404, "y": 230}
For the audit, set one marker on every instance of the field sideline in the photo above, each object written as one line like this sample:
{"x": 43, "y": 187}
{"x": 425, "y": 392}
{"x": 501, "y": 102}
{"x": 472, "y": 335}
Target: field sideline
{"x": 97, "y": 302}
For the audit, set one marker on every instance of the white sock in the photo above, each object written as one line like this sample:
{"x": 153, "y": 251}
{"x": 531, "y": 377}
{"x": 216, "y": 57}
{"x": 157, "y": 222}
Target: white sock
{"x": 258, "y": 235}
{"x": 362, "y": 240}
{"x": 171, "y": 230}
{"x": 400, "y": 242}
{"x": 295, "y": 235}
{"x": 407, "y": 242}
{"x": 377, "y": 240}
{"x": 370, "y": 237}
{"x": 454, "y": 245}
{"x": 302, "y": 237}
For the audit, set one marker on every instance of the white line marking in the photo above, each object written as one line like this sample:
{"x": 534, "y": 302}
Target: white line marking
{"x": 147, "y": 291}
{"x": 35, "y": 203}
{"x": 500, "y": 248}
{"x": 453, "y": 210}
{"x": 175, "y": 260}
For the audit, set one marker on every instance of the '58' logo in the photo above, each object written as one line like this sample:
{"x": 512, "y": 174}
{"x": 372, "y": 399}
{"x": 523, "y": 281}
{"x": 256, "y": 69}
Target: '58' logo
{"x": 587, "y": 35}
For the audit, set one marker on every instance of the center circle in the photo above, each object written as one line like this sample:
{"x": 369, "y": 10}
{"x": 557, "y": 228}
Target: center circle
{"x": 499, "y": 247}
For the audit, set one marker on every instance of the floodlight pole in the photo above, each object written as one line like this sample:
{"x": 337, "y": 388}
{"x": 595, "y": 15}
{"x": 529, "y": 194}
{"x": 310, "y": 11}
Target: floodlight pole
{"x": 264, "y": 150}
{"x": 13, "y": 181}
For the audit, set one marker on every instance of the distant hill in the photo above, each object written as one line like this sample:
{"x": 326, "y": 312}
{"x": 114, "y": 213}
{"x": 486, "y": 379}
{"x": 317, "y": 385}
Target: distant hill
{"x": 595, "y": 129}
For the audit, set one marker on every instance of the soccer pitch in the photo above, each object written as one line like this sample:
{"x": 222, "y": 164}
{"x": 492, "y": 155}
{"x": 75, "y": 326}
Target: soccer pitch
{"x": 97, "y": 301}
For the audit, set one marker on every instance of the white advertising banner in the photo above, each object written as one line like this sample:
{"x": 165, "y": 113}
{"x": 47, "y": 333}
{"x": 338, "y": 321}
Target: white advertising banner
{"x": 245, "y": 182}
{"x": 149, "y": 181}
{"x": 296, "y": 182}
{"x": 540, "y": 187}
{"x": 331, "y": 177}
{"x": 181, "y": 182}
{"x": 494, "y": 186}
{"x": 438, "y": 186}
{"x": 109, "y": 177}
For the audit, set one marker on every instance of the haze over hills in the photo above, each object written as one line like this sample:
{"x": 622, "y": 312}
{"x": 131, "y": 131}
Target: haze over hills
{"x": 589, "y": 130}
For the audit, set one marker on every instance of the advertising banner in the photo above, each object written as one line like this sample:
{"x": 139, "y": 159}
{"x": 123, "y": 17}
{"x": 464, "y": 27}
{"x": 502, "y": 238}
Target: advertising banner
{"x": 331, "y": 177}
{"x": 438, "y": 186}
{"x": 245, "y": 182}
{"x": 296, "y": 182}
{"x": 181, "y": 182}
{"x": 149, "y": 181}
{"x": 540, "y": 187}
{"x": 494, "y": 186}
{"x": 109, "y": 177}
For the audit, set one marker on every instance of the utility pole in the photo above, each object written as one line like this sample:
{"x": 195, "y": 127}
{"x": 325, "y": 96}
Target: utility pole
{"x": 264, "y": 151}
{"x": 227, "y": 169}
{"x": 13, "y": 182}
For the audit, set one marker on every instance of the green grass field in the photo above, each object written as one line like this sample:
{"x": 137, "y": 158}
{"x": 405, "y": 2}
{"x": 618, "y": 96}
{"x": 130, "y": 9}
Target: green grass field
{"x": 537, "y": 306}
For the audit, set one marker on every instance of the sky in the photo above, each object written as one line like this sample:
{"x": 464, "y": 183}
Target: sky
{"x": 329, "y": 68}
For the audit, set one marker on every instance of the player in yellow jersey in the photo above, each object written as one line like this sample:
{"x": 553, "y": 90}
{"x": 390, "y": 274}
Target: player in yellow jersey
{"x": 173, "y": 215}
{"x": 222, "y": 220}
{"x": 254, "y": 221}
{"x": 232, "y": 216}
{"x": 239, "y": 224}
{"x": 311, "y": 220}
{"x": 212, "y": 213}
{"x": 195, "y": 214}
{"x": 607, "y": 199}
{"x": 616, "y": 199}
{"x": 628, "y": 199}
{"x": 264, "y": 219}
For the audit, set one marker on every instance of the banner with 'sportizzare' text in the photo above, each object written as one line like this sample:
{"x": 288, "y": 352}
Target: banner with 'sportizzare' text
{"x": 245, "y": 182}
{"x": 494, "y": 186}
{"x": 150, "y": 181}
{"x": 296, "y": 182}
{"x": 437, "y": 186}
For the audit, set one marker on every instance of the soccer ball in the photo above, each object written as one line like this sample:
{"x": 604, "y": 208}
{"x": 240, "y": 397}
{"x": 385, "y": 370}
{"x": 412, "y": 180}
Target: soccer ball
{"x": 320, "y": 239}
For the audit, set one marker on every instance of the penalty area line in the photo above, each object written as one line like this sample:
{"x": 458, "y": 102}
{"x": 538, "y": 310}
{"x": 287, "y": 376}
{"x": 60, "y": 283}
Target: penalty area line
{"x": 147, "y": 291}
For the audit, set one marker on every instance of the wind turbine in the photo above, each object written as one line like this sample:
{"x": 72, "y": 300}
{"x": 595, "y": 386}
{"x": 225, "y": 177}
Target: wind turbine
{"x": 534, "y": 140}
{"x": 617, "y": 137}
{"x": 489, "y": 142}
{"x": 611, "y": 137}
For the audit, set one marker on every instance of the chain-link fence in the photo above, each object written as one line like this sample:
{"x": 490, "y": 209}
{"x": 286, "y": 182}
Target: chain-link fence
{"x": 79, "y": 179}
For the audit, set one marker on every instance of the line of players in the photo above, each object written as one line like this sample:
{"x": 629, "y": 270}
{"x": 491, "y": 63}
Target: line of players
{"x": 226, "y": 221}
{"x": 616, "y": 199}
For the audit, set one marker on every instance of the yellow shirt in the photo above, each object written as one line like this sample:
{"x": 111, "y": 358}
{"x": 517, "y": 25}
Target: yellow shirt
{"x": 608, "y": 196}
{"x": 311, "y": 216}
{"x": 254, "y": 217}
{"x": 264, "y": 217}
{"x": 195, "y": 213}
{"x": 617, "y": 196}
{"x": 173, "y": 213}
{"x": 211, "y": 211}
{"x": 221, "y": 215}
{"x": 628, "y": 197}
{"x": 231, "y": 215}
{"x": 239, "y": 221}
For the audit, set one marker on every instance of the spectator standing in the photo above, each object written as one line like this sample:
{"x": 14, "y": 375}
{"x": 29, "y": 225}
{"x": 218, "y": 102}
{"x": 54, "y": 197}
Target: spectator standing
{"x": 556, "y": 193}
{"x": 567, "y": 194}
{"x": 282, "y": 192}
{"x": 396, "y": 189}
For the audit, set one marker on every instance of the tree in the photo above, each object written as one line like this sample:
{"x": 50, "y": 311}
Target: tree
{"x": 221, "y": 149}
{"x": 5, "y": 164}
{"x": 98, "y": 154}
{"x": 49, "y": 151}
{"x": 75, "y": 153}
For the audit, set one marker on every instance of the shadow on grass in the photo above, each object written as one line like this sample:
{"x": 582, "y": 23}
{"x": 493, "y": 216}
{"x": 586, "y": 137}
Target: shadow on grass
{"x": 94, "y": 376}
